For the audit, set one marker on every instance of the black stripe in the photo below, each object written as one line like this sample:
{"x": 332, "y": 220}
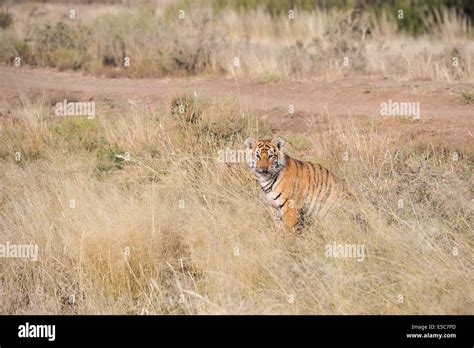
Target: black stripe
{"x": 325, "y": 188}
{"x": 326, "y": 172}
{"x": 277, "y": 197}
{"x": 277, "y": 175}
{"x": 312, "y": 184}
{"x": 305, "y": 166}
{"x": 326, "y": 196}
{"x": 281, "y": 206}
{"x": 280, "y": 173}
{"x": 269, "y": 186}
{"x": 295, "y": 179}
{"x": 320, "y": 181}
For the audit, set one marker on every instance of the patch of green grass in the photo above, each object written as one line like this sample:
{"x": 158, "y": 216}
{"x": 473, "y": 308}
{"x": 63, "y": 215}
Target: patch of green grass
{"x": 83, "y": 134}
{"x": 26, "y": 153}
{"x": 80, "y": 133}
{"x": 372, "y": 123}
{"x": 270, "y": 77}
{"x": 467, "y": 97}
{"x": 108, "y": 159}
{"x": 26, "y": 156}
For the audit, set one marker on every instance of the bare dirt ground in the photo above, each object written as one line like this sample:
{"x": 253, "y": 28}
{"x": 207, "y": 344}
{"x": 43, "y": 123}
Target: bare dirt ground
{"x": 444, "y": 113}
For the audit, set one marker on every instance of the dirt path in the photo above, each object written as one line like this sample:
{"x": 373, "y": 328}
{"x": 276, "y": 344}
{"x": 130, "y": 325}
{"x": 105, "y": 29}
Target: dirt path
{"x": 440, "y": 103}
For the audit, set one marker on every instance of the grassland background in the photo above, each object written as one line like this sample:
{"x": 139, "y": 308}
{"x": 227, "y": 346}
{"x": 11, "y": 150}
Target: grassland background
{"x": 173, "y": 230}
{"x": 269, "y": 45}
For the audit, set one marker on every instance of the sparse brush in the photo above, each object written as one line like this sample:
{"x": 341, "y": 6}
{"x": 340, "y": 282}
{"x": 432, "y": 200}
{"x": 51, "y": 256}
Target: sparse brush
{"x": 467, "y": 97}
{"x": 6, "y": 19}
{"x": 185, "y": 109}
{"x": 253, "y": 41}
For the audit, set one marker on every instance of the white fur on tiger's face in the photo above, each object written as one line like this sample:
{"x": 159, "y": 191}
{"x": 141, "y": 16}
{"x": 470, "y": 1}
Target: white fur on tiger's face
{"x": 265, "y": 157}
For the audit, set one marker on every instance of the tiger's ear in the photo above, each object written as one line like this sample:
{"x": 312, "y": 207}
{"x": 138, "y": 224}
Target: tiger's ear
{"x": 250, "y": 142}
{"x": 279, "y": 142}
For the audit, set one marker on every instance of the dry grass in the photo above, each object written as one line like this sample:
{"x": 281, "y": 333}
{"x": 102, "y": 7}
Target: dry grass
{"x": 269, "y": 48}
{"x": 200, "y": 237}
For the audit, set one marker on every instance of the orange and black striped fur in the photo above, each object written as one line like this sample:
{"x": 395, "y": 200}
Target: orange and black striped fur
{"x": 298, "y": 189}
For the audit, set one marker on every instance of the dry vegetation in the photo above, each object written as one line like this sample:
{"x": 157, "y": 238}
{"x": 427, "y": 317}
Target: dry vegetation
{"x": 270, "y": 47}
{"x": 200, "y": 237}
{"x": 160, "y": 225}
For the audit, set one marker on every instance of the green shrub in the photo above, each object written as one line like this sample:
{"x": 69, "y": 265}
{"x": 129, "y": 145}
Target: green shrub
{"x": 467, "y": 97}
{"x": 413, "y": 10}
{"x": 53, "y": 45}
{"x": 11, "y": 47}
{"x": 108, "y": 159}
{"x": 6, "y": 19}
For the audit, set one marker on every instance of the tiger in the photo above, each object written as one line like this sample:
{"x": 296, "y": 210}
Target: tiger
{"x": 299, "y": 190}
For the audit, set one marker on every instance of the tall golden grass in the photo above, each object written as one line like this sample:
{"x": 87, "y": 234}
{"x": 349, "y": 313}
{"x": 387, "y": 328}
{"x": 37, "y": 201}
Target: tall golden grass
{"x": 269, "y": 47}
{"x": 174, "y": 230}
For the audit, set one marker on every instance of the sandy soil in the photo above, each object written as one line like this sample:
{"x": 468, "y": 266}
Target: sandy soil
{"x": 443, "y": 110}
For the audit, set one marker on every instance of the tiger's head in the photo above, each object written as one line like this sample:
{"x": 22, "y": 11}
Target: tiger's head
{"x": 265, "y": 156}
